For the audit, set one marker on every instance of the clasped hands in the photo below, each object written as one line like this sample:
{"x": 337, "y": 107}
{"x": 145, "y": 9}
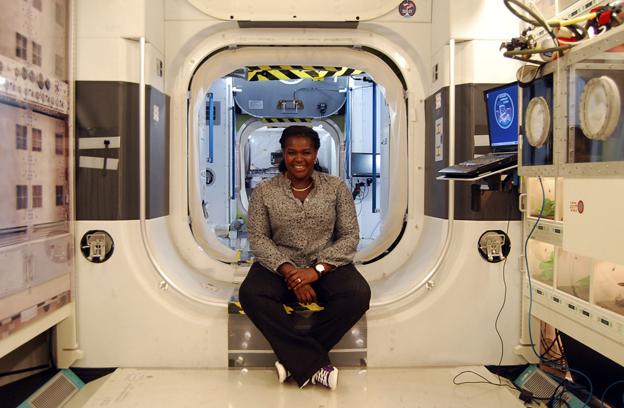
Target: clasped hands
{"x": 299, "y": 280}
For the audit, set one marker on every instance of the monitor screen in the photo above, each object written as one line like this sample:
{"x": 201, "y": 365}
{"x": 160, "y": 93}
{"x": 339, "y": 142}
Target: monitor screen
{"x": 362, "y": 164}
{"x": 502, "y": 115}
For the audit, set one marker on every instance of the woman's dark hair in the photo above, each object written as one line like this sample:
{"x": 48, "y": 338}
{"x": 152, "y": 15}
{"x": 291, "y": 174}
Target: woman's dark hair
{"x": 305, "y": 131}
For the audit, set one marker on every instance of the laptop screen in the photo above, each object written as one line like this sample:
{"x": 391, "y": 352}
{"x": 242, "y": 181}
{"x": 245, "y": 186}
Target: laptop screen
{"x": 502, "y": 115}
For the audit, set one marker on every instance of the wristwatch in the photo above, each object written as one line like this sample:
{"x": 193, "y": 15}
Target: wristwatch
{"x": 320, "y": 269}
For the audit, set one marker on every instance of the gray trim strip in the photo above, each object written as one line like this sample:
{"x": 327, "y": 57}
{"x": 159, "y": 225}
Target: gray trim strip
{"x": 108, "y": 110}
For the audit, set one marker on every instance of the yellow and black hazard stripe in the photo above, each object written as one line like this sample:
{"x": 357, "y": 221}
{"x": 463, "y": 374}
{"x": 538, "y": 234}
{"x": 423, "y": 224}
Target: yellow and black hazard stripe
{"x": 234, "y": 307}
{"x": 300, "y": 307}
{"x": 288, "y": 72}
{"x": 286, "y": 120}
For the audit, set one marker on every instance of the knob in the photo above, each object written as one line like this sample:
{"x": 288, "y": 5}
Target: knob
{"x": 31, "y": 76}
{"x": 40, "y": 81}
{"x": 47, "y": 84}
{"x": 24, "y": 73}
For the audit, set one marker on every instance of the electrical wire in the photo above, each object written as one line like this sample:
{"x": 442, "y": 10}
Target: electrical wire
{"x": 572, "y": 21}
{"x": 538, "y": 20}
{"x": 548, "y": 349}
{"x": 500, "y": 311}
{"x": 500, "y": 337}
{"x": 559, "y": 345}
{"x": 514, "y": 53}
{"x": 558, "y": 356}
{"x": 485, "y": 380}
{"x": 502, "y": 384}
{"x": 557, "y": 395}
{"x": 531, "y": 61}
{"x": 528, "y": 272}
{"x": 604, "y": 393}
{"x": 535, "y": 19}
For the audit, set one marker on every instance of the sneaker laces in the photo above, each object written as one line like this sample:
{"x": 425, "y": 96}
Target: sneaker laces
{"x": 322, "y": 376}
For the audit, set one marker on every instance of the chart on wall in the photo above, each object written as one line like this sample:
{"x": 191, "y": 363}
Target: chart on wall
{"x": 36, "y": 246}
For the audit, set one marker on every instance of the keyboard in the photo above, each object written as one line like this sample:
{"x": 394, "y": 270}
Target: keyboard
{"x": 480, "y": 165}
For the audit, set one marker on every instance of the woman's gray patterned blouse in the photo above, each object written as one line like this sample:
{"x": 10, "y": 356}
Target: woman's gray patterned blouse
{"x": 323, "y": 228}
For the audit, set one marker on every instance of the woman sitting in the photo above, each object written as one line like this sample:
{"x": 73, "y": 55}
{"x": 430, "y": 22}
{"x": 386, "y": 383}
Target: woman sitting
{"x": 303, "y": 232}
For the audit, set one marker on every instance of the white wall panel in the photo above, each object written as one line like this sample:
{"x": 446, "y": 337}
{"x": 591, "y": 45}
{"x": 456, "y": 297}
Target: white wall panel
{"x": 453, "y": 323}
{"x": 126, "y": 319}
{"x": 121, "y": 19}
{"x": 592, "y": 216}
{"x": 110, "y": 19}
{"x": 472, "y": 20}
{"x": 116, "y": 59}
{"x": 155, "y": 23}
{"x": 477, "y": 61}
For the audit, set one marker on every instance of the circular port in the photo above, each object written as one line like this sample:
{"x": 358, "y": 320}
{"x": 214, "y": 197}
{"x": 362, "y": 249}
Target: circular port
{"x": 600, "y": 108}
{"x": 537, "y": 121}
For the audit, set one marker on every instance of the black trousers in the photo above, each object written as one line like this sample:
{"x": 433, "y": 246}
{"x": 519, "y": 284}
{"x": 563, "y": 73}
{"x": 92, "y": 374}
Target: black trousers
{"x": 343, "y": 292}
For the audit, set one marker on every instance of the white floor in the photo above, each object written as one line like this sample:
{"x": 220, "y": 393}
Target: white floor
{"x": 432, "y": 387}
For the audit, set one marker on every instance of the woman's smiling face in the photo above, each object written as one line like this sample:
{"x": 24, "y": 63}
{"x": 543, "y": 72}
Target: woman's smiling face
{"x": 299, "y": 157}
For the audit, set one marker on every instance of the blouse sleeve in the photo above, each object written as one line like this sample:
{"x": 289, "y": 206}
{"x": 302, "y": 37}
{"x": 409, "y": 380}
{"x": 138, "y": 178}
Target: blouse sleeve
{"x": 264, "y": 249}
{"x": 346, "y": 231}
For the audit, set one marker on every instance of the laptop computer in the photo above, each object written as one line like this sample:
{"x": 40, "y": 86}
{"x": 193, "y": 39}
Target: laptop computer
{"x": 502, "y": 115}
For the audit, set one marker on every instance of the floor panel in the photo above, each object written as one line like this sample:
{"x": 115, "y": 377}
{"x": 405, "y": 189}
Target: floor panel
{"x": 234, "y": 388}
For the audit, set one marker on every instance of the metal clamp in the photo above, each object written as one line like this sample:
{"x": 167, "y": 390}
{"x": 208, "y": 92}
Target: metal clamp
{"x": 494, "y": 246}
{"x": 96, "y": 246}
